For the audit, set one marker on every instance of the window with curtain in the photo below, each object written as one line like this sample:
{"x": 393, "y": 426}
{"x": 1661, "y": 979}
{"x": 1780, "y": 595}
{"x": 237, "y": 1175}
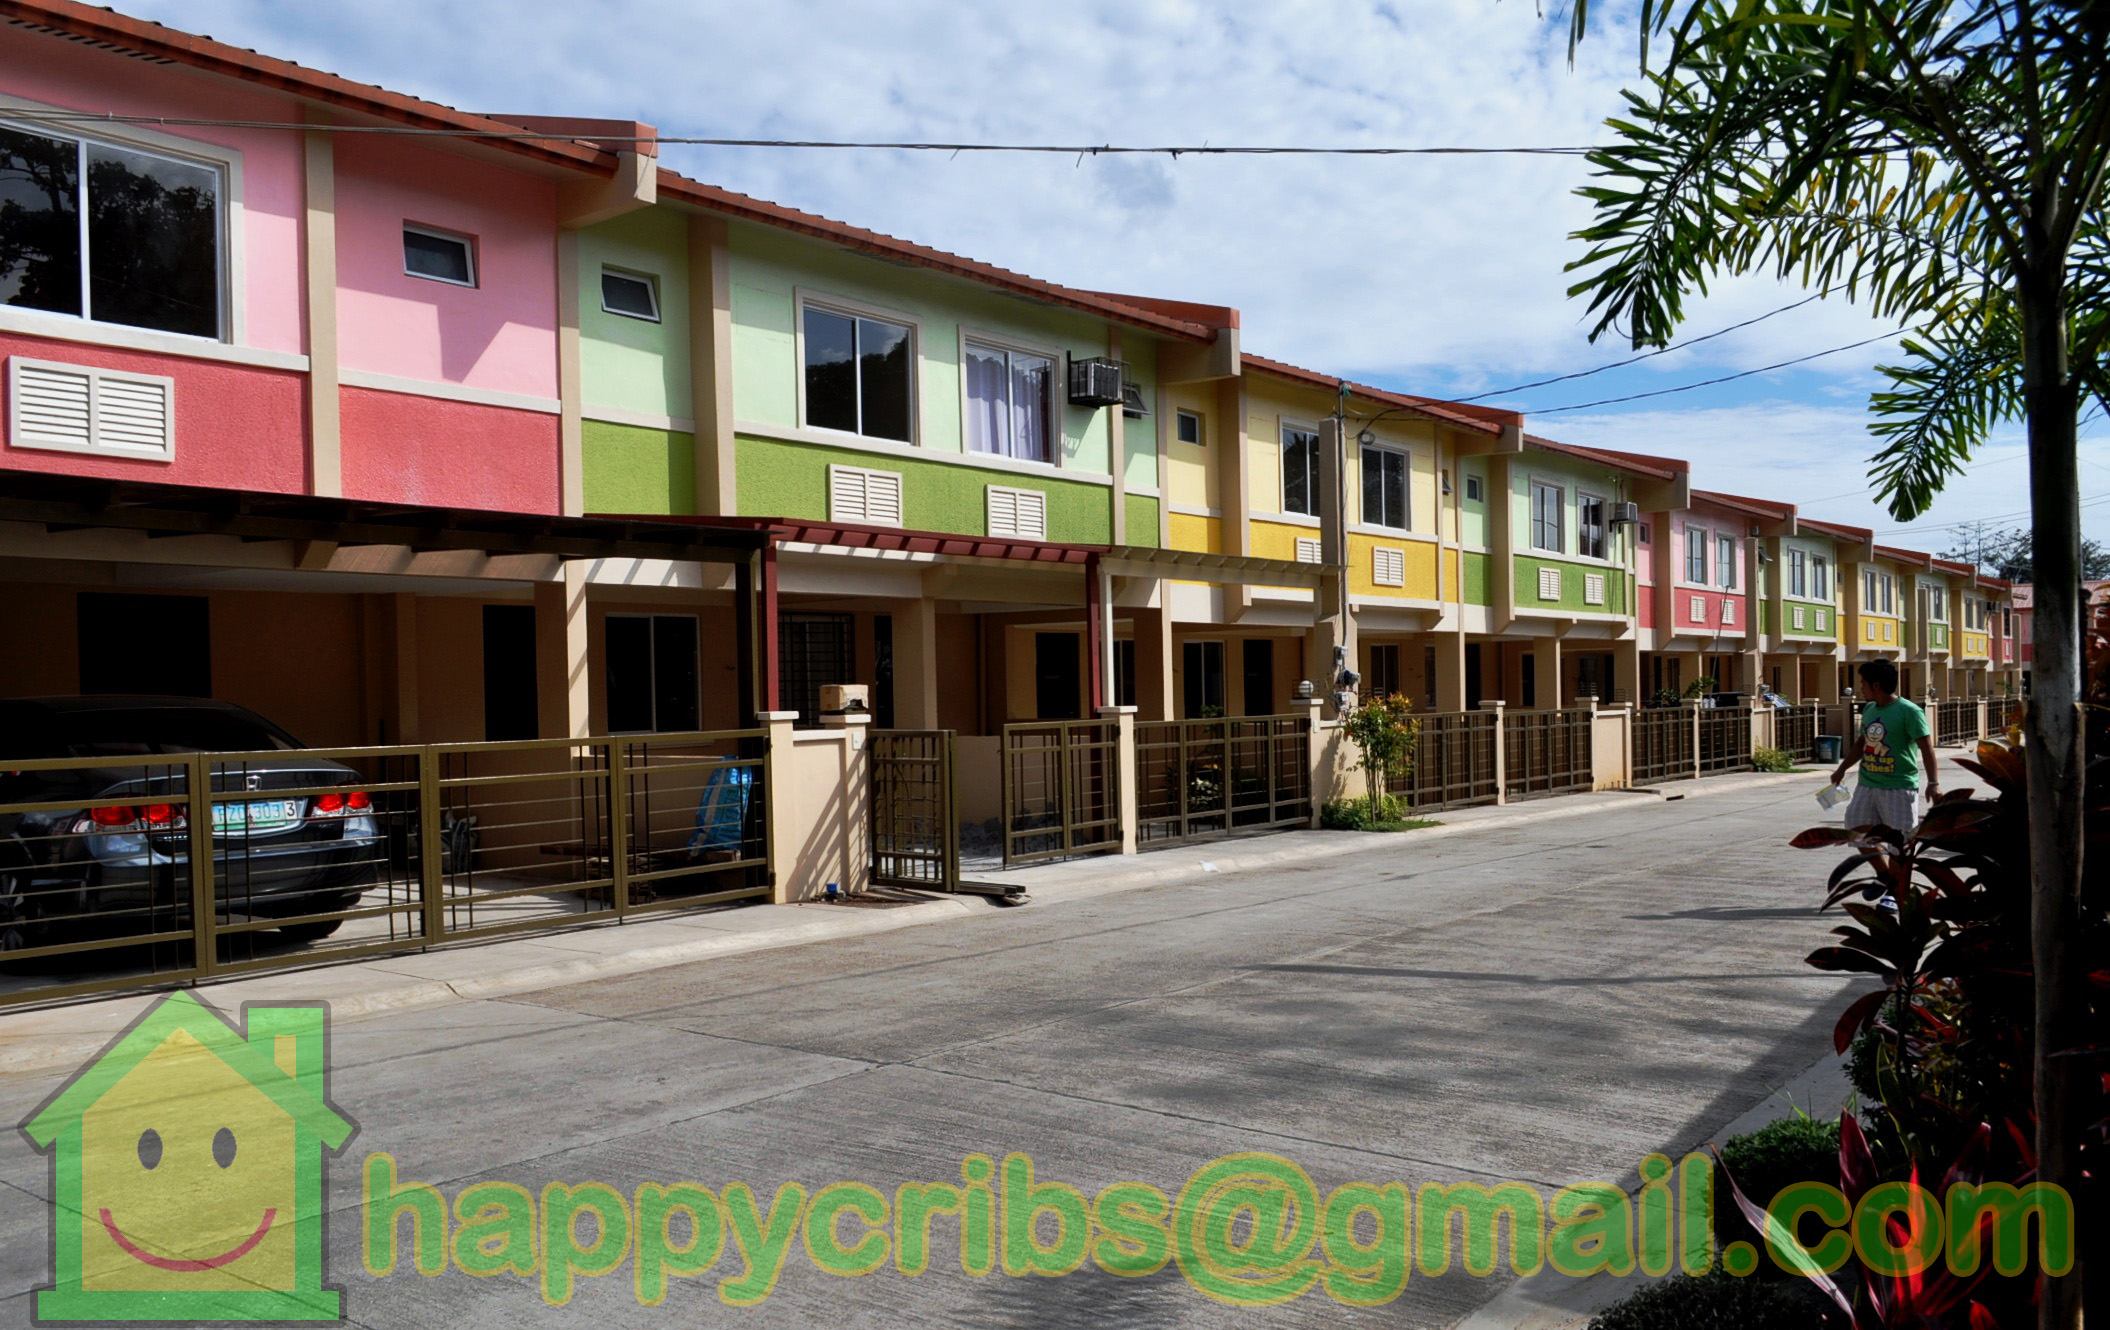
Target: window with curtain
{"x": 1300, "y": 471}
{"x": 859, "y": 374}
{"x": 1546, "y": 531}
{"x": 1007, "y": 403}
{"x": 1385, "y": 488}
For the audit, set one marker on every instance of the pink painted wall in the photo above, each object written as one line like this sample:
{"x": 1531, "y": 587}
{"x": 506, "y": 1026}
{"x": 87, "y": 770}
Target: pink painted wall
{"x": 1681, "y": 593}
{"x": 499, "y": 335}
{"x": 1645, "y": 571}
{"x": 407, "y": 449}
{"x": 236, "y": 427}
{"x": 272, "y": 180}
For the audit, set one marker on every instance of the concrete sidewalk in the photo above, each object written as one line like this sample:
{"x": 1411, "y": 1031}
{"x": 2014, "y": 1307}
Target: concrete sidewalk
{"x": 43, "y": 1038}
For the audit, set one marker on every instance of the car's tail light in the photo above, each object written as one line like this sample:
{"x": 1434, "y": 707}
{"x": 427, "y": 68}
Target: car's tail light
{"x": 112, "y": 815}
{"x": 160, "y": 815}
{"x": 337, "y": 804}
{"x": 358, "y": 801}
{"x": 330, "y": 805}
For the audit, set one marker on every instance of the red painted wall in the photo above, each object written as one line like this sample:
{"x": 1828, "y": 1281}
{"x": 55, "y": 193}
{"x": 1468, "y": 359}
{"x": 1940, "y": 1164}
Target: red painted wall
{"x": 236, "y": 427}
{"x": 401, "y": 448}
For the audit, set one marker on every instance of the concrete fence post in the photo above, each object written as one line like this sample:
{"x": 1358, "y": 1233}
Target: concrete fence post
{"x": 781, "y": 790}
{"x": 1765, "y": 726}
{"x": 1318, "y": 755}
{"x": 1124, "y": 719}
{"x": 1985, "y": 719}
{"x": 1501, "y": 753}
{"x": 1692, "y": 708}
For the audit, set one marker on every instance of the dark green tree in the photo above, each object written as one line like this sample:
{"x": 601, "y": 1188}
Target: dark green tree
{"x": 1943, "y": 163}
{"x": 2007, "y": 552}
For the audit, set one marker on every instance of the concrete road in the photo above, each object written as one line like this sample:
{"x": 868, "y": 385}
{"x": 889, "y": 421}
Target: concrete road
{"x": 1540, "y": 1000}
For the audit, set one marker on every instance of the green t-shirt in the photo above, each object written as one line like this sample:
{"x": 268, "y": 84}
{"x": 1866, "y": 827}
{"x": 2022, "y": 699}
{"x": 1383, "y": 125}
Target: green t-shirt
{"x": 1890, "y": 744}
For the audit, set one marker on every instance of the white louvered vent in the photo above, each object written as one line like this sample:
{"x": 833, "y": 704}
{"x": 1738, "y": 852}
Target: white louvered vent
{"x": 76, "y": 408}
{"x": 1593, "y": 588}
{"x": 1699, "y": 609}
{"x": 1820, "y": 621}
{"x": 1549, "y": 584}
{"x": 1388, "y": 566}
{"x": 860, "y": 494}
{"x": 1307, "y": 550}
{"x": 1018, "y": 514}
{"x": 1795, "y": 616}
{"x": 1728, "y": 611}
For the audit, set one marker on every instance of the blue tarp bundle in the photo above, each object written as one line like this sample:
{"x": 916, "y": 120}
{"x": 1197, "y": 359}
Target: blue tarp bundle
{"x": 721, "y": 815}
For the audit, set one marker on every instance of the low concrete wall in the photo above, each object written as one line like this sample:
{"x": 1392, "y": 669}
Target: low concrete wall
{"x": 978, "y": 777}
{"x": 1611, "y": 751}
{"x": 821, "y": 808}
{"x": 1336, "y": 766}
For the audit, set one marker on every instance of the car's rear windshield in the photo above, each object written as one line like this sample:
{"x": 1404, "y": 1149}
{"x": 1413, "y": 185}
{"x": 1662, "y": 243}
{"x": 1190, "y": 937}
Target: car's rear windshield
{"x": 143, "y": 731}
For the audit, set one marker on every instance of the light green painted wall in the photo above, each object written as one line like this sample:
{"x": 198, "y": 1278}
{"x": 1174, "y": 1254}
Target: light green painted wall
{"x": 631, "y": 470}
{"x": 1140, "y": 437}
{"x": 1141, "y": 515}
{"x": 770, "y": 268}
{"x": 631, "y": 364}
{"x": 1472, "y": 516}
{"x": 1573, "y": 476}
{"x": 1527, "y": 586}
{"x": 784, "y": 479}
{"x": 1475, "y": 566}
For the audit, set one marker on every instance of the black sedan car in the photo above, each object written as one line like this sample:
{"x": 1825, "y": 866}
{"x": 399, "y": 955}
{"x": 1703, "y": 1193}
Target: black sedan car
{"x": 106, "y": 844}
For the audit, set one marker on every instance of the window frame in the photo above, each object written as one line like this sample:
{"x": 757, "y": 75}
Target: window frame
{"x": 431, "y": 232}
{"x": 650, "y": 281}
{"x": 1475, "y": 491}
{"x": 803, "y": 299}
{"x": 1312, "y": 492}
{"x": 1798, "y": 574}
{"x": 1406, "y": 486}
{"x": 1057, "y": 398}
{"x": 224, "y": 162}
{"x": 1180, "y": 417}
{"x": 1698, "y": 540}
{"x": 1820, "y": 578}
{"x": 1560, "y": 515}
{"x": 1725, "y": 560}
{"x": 1583, "y": 498}
{"x": 652, "y": 618}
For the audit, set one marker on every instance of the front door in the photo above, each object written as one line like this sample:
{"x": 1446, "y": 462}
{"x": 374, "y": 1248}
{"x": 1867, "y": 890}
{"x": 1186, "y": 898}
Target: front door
{"x": 1472, "y": 676}
{"x": 1260, "y": 676}
{"x": 1056, "y": 676}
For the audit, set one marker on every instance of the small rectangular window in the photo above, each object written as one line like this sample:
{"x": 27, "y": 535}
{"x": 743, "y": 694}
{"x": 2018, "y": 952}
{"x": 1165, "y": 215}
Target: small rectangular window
{"x": 1472, "y": 489}
{"x": 1008, "y": 393}
{"x": 652, "y": 678}
{"x": 439, "y": 256}
{"x": 859, "y": 374}
{"x": 1798, "y": 580}
{"x": 633, "y": 295}
{"x": 1300, "y": 471}
{"x": 1188, "y": 428}
{"x": 1725, "y": 562}
{"x": 1547, "y": 529}
{"x": 1589, "y": 526}
{"x": 1820, "y": 578}
{"x": 1696, "y": 555}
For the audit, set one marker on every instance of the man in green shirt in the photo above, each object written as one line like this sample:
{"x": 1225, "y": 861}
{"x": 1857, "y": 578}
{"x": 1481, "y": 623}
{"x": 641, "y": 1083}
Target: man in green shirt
{"x": 1896, "y": 744}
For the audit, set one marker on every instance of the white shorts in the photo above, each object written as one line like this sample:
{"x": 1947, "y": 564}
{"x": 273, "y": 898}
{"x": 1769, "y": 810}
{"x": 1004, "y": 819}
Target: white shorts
{"x": 1871, "y": 806}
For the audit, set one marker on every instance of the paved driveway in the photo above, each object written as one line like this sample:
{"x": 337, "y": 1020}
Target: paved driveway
{"x": 1544, "y": 1000}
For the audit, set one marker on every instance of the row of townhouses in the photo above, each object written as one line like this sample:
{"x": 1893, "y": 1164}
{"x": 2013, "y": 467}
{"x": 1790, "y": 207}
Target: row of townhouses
{"x": 259, "y": 323}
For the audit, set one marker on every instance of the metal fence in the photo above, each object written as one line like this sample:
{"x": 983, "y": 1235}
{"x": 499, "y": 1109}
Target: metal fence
{"x": 1663, "y": 744}
{"x": 915, "y": 814}
{"x": 1061, "y": 789}
{"x": 1955, "y": 722}
{"x": 1548, "y": 752}
{"x": 1197, "y": 779}
{"x": 2002, "y": 714}
{"x": 1454, "y": 760}
{"x": 1795, "y": 731}
{"x": 128, "y": 870}
{"x": 1725, "y": 740}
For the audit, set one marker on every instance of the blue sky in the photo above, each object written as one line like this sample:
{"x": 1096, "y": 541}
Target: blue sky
{"x": 1439, "y": 275}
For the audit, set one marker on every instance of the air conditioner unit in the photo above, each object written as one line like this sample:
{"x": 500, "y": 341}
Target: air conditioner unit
{"x": 845, "y": 699}
{"x": 1096, "y": 382}
{"x": 1625, "y": 514}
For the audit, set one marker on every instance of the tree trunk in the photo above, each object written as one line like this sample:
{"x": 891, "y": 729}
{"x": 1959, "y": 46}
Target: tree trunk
{"x": 2054, "y": 756}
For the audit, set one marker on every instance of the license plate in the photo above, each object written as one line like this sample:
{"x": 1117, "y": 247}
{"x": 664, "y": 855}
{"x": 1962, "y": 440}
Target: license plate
{"x": 256, "y": 815}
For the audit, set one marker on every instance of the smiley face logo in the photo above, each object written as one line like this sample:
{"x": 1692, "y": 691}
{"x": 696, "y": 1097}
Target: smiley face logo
{"x": 187, "y": 1165}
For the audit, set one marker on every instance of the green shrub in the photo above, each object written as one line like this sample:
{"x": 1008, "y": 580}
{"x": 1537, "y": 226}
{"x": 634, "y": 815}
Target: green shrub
{"x": 1792, "y": 1149}
{"x": 1721, "y": 1302}
{"x": 1354, "y": 814}
{"x": 1772, "y": 759}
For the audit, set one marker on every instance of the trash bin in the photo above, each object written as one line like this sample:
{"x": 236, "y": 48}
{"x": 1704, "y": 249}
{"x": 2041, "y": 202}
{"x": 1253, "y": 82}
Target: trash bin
{"x": 1827, "y": 748}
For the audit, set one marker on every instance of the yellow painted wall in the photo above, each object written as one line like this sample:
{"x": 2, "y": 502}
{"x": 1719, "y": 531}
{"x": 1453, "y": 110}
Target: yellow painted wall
{"x": 1192, "y": 468}
{"x": 1196, "y": 533}
{"x": 1263, "y": 465}
{"x": 1878, "y": 631}
{"x": 1420, "y": 563}
{"x": 1277, "y": 540}
{"x": 1424, "y": 487}
{"x": 1974, "y": 644}
{"x": 1451, "y": 590}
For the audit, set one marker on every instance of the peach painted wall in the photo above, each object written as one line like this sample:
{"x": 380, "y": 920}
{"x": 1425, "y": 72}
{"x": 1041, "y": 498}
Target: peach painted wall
{"x": 401, "y": 448}
{"x": 236, "y": 427}
{"x": 66, "y": 74}
{"x": 500, "y": 334}
{"x": 1645, "y": 570}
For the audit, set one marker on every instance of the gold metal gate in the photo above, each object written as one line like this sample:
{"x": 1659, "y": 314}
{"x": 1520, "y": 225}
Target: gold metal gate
{"x": 915, "y": 815}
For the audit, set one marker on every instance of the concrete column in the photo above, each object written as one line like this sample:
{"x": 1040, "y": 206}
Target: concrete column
{"x": 1322, "y": 758}
{"x": 319, "y": 234}
{"x": 1501, "y": 753}
{"x": 563, "y": 676}
{"x": 916, "y": 664}
{"x": 781, "y": 793}
{"x": 711, "y": 364}
{"x": 403, "y": 663}
{"x": 1124, "y": 719}
{"x": 1450, "y": 671}
{"x": 570, "y": 380}
{"x": 1547, "y": 672}
{"x": 1692, "y": 717}
{"x": 1153, "y": 629}
{"x": 1626, "y": 666}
